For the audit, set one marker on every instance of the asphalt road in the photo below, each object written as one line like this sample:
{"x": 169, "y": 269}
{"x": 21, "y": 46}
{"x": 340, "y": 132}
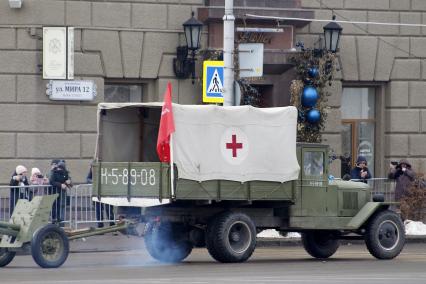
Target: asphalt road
{"x": 352, "y": 264}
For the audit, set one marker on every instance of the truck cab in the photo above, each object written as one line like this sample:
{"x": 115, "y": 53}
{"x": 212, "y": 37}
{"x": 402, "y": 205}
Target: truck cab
{"x": 319, "y": 197}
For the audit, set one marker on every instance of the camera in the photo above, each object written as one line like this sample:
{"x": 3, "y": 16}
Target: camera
{"x": 396, "y": 164}
{"x": 40, "y": 176}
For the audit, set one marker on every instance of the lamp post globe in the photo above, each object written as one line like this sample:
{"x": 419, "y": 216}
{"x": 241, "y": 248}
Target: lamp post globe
{"x": 192, "y": 29}
{"x": 332, "y": 32}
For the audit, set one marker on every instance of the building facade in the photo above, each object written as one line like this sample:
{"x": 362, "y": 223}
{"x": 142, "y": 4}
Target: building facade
{"x": 377, "y": 106}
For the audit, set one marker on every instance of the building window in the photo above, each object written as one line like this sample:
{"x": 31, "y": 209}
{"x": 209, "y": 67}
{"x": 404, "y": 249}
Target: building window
{"x": 358, "y": 129}
{"x": 123, "y": 93}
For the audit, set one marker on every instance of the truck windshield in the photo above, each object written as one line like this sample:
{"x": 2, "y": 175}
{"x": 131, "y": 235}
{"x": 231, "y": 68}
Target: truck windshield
{"x": 313, "y": 163}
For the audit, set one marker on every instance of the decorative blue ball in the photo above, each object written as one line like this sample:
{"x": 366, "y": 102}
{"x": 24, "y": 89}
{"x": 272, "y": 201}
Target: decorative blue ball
{"x": 313, "y": 72}
{"x": 309, "y": 96}
{"x": 313, "y": 116}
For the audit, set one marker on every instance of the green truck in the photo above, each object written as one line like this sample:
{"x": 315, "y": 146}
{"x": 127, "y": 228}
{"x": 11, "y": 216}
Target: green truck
{"x": 221, "y": 203}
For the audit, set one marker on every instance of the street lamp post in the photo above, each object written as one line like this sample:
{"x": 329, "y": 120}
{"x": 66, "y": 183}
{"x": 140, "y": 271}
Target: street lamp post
{"x": 192, "y": 29}
{"x": 332, "y": 33}
{"x": 182, "y": 65}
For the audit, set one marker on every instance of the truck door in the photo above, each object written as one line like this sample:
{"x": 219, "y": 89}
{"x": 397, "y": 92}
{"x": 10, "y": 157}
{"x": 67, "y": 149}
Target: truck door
{"x": 314, "y": 181}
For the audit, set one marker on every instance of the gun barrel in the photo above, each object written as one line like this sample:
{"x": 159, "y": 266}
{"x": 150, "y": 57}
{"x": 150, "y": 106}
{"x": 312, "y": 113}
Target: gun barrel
{"x": 11, "y": 226}
{"x": 8, "y": 232}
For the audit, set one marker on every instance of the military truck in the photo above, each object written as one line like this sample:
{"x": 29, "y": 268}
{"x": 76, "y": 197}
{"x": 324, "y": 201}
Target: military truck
{"x": 236, "y": 171}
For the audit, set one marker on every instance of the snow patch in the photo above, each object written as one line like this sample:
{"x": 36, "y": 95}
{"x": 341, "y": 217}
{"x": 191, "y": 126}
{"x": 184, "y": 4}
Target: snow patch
{"x": 272, "y": 233}
{"x": 415, "y": 228}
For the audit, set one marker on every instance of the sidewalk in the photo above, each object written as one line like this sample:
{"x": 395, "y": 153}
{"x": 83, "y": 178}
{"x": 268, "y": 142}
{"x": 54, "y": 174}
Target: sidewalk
{"x": 109, "y": 242}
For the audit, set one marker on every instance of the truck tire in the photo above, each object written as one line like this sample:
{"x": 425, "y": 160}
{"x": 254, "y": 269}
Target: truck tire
{"x": 231, "y": 237}
{"x": 6, "y": 256}
{"x": 320, "y": 244}
{"x": 50, "y": 246}
{"x": 166, "y": 242}
{"x": 385, "y": 235}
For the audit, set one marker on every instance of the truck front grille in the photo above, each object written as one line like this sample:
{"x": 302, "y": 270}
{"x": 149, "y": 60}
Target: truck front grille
{"x": 350, "y": 200}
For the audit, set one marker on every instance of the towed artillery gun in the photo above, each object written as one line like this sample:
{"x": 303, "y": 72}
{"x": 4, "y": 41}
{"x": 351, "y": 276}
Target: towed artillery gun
{"x": 237, "y": 171}
{"x": 29, "y": 230}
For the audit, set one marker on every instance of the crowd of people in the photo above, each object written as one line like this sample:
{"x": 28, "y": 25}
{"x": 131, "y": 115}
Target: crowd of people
{"x": 57, "y": 181}
{"x": 401, "y": 172}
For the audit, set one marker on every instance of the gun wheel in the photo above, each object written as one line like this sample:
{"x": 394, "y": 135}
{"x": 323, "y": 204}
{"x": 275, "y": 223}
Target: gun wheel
{"x": 50, "y": 246}
{"x": 167, "y": 242}
{"x": 320, "y": 244}
{"x": 6, "y": 256}
{"x": 385, "y": 235}
{"x": 231, "y": 237}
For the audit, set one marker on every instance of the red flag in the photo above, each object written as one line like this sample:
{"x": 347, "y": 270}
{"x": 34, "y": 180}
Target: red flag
{"x": 167, "y": 127}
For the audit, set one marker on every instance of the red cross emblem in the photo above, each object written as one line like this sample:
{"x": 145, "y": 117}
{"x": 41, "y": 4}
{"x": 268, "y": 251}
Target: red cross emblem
{"x": 234, "y": 145}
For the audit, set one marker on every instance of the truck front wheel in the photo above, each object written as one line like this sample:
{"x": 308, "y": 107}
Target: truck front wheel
{"x": 231, "y": 237}
{"x": 167, "y": 242}
{"x": 385, "y": 235}
{"x": 320, "y": 244}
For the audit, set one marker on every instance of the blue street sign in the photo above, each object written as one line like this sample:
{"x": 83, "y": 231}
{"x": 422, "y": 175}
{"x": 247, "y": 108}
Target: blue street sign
{"x": 213, "y": 82}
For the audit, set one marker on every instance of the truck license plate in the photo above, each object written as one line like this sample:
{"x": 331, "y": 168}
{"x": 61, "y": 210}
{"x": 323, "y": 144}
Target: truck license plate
{"x": 124, "y": 176}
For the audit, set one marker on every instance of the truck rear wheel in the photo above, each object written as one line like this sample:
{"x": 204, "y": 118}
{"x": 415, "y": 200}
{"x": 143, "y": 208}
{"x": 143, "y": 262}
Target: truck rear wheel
{"x": 166, "y": 242}
{"x": 385, "y": 235}
{"x": 50, "y": 246}
{"x": 231, "y": 237}
{"x": 320, "y": 244}
{"x": 6, "y": 256}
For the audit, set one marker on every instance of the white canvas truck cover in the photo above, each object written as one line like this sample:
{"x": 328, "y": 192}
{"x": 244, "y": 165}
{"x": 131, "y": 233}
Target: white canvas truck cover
{"x": 235, "y": 143}
{"x": 239, "y": 143}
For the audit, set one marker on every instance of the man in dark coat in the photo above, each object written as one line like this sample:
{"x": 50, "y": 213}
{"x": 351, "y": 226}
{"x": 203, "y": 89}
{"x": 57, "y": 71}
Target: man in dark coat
{"x": 101, "y": 207}
{"x": 361, "y": 172}
{"x": 18, "y": 190}
{"x": 404, "y": 176}
{"x": 60, "y": 181}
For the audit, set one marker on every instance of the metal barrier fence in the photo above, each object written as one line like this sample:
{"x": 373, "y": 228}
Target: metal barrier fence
{"x": 73, "y": 208}
{"x": 9, "y": 196}
{"x": 383, "y": 186}
{"x": 86, "y": 211}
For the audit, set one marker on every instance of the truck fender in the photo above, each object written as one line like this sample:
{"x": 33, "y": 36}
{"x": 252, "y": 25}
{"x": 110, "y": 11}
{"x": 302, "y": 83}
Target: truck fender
{"x": 365, "y": 213}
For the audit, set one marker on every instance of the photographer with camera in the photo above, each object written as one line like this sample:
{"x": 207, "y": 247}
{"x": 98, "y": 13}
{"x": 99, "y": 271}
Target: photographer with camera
{"x": 403, "y": 174}
{"x": 361, "y": 172}
{"x": 60, "y": 181}
{"x": 38, "y": 179}
{"x": 19, "y": 187}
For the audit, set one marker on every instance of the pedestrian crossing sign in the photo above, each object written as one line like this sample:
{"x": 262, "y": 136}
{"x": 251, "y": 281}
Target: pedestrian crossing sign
{"x": 213, "y": 82}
